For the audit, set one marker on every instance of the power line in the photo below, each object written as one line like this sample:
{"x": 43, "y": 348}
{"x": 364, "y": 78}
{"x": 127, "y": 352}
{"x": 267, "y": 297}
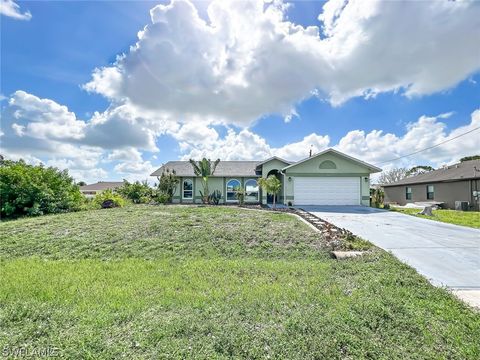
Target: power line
{"x": 428, "y": 148}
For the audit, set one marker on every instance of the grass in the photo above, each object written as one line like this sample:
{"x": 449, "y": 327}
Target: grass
{"x": 214, "y": 283}
{"x": 464, "y": 218}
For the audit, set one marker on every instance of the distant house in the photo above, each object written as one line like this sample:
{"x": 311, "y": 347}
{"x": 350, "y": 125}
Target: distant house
{"x": 456, "y": 183}
{"x": 327, "y": 178}
{"x": 93, "y": 189}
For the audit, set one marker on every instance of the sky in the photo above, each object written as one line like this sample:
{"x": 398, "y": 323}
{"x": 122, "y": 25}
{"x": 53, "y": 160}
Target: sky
{"x": 111, "y": 90}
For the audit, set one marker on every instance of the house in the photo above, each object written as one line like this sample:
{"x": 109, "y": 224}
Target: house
{"x": 93, "y": 189}
{"x": 327, "y": 178}
{"x": 448, "y": 185}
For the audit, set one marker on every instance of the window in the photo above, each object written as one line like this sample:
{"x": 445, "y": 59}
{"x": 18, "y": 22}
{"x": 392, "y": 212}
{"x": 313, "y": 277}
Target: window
{"x": 328, "y": 164}
{"x": 251, "y": 190}
{"x": 430, "y": 192}
{"x": 187, "y": 189}
{"x": 232, "y": 187}
{"x": 408, "y": 193}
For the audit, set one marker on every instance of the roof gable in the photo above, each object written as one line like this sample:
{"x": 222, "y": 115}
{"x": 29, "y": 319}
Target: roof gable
{"x": 272, "y": 159}
{"x": 330, "y": 165}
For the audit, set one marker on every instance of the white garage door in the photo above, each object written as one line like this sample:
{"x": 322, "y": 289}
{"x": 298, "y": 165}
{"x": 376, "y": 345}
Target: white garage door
{"x": 326, "y": 190}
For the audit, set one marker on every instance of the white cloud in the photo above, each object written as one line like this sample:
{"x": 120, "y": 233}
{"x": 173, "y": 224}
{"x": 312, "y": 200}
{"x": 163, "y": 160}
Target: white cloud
{"x": 244, "y": 145}
{"x": 129, "y": 154}
{"x": 42, "y": 123}
{"x": 196, "y": 133}
{"x": 374, "y": 147}
{"x": 248, "y": 60}
{"x": 44, "y": 118}
{"x": 34, "y": 128}
{"x": 11, "y": 9}
{"x": 301, "y": 149}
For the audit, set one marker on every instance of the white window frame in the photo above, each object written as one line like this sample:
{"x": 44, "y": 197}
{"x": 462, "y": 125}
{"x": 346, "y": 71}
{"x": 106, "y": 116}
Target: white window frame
{"x": 258, "y": 190}
{"x": 226, "y": 190}
{"x": 183, "y": 189}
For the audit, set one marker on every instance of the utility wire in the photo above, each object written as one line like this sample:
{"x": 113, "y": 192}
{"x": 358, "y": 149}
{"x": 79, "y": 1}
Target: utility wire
{"x": 428, "y": 148}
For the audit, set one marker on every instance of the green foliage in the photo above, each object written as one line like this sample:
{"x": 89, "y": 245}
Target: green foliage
{"x": 204, "y": 169}
{"x": 468, "y": 158}
{"x": 137, "y": 192}
{"x": 106, "y": 195}
{"x": 271, "y": 185}
{"x": 464, "y": 218}
{"x": 420, "y": 169}
{"x": 215, "y": 197}
{"x": 167, "y": 186}
{"x": 240, "y": 195}
{"x": 378, "y": 196}
{"x": 30, "y": 190}
{"x": 163, "y": 198}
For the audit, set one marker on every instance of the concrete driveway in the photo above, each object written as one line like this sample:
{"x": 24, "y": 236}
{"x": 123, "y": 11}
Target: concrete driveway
{"x": 448, "y": 255}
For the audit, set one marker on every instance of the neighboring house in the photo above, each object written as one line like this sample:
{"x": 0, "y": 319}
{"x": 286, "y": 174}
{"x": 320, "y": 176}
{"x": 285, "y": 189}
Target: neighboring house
{"x": 93, "y": 189}
{"x": 459, "y": 182}
{"x": 327, "y": 178}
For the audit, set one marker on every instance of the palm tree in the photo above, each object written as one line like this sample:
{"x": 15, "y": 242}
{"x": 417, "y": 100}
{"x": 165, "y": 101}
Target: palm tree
{"x": 271, "y": 185}
{"x": 204, "y": 169}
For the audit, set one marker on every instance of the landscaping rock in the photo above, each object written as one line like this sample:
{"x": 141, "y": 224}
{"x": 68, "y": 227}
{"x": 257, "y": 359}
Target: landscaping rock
{"x": 341, "y": 255}
{"x": 108, "y": 204}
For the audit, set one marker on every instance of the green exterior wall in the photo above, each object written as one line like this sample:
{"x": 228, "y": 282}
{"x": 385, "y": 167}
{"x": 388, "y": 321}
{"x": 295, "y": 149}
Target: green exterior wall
{"x": 214, "y": 183}
{"x": 310, "y": 167}
{"x": 345, "y": 167}
{"x": 273, "y": 164}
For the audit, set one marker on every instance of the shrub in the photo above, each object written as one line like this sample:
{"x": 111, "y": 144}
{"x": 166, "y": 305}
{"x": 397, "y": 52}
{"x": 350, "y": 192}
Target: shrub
{"x": 138, "y": 192}
{"x": 30, "y": 190}
{"x": 167, "y": 186}
{"x": 108, "y": 196}
{"x": 215, "y": 197}
{"x": 240, "y": 195}
{"x": 163, "y": 198}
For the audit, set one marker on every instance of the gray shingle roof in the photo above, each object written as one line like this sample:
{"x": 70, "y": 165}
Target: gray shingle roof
{"x": 461, "y": 171}
{"x": 224, "y": 168}
{"x": 102, "y": 185}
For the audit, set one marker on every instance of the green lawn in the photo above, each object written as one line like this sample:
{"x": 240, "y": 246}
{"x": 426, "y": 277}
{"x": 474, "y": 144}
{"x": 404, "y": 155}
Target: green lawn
{"x": 464, "y": 218}
{"x": 214, "y": 282}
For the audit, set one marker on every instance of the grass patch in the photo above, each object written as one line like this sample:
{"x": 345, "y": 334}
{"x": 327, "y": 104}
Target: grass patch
{"x": 464, "y": 218}
{"x": 149, "y": 282}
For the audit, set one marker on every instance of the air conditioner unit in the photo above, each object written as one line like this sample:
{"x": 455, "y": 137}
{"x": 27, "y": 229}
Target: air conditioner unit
{"x": 461, "y": 205}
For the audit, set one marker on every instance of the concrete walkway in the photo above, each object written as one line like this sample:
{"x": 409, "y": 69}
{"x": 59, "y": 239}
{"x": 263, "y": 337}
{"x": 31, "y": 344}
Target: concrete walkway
{"x": 448, "y": 255}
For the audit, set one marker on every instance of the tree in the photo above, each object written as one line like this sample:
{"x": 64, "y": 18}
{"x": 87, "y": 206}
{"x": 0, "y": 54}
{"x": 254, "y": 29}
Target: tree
{"x": 471, "y": 157}
{"x": 167, "y": 184}
{"x": 378, "y": 196}
{"x": 271, "y": 185}
{"x": 29, "y": 190}
{"x": 81, "y": 183}
{"x": 138, "y": 192}
{"x": 420, "y": 169}
{"x": 393, "y": 175}
{"x": 204, "y": 169}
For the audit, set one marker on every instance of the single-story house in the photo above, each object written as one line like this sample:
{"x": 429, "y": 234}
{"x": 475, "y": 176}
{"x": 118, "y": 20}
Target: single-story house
{"x": 327, "y": 178}
{"x": 93, "y": 189}
{"x": 448, "y": 185}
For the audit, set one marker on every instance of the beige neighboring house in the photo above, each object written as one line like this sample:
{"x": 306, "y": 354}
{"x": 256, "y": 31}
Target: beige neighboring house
{"x": 93, "y": 189}
{"x": 455, "y": 187}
